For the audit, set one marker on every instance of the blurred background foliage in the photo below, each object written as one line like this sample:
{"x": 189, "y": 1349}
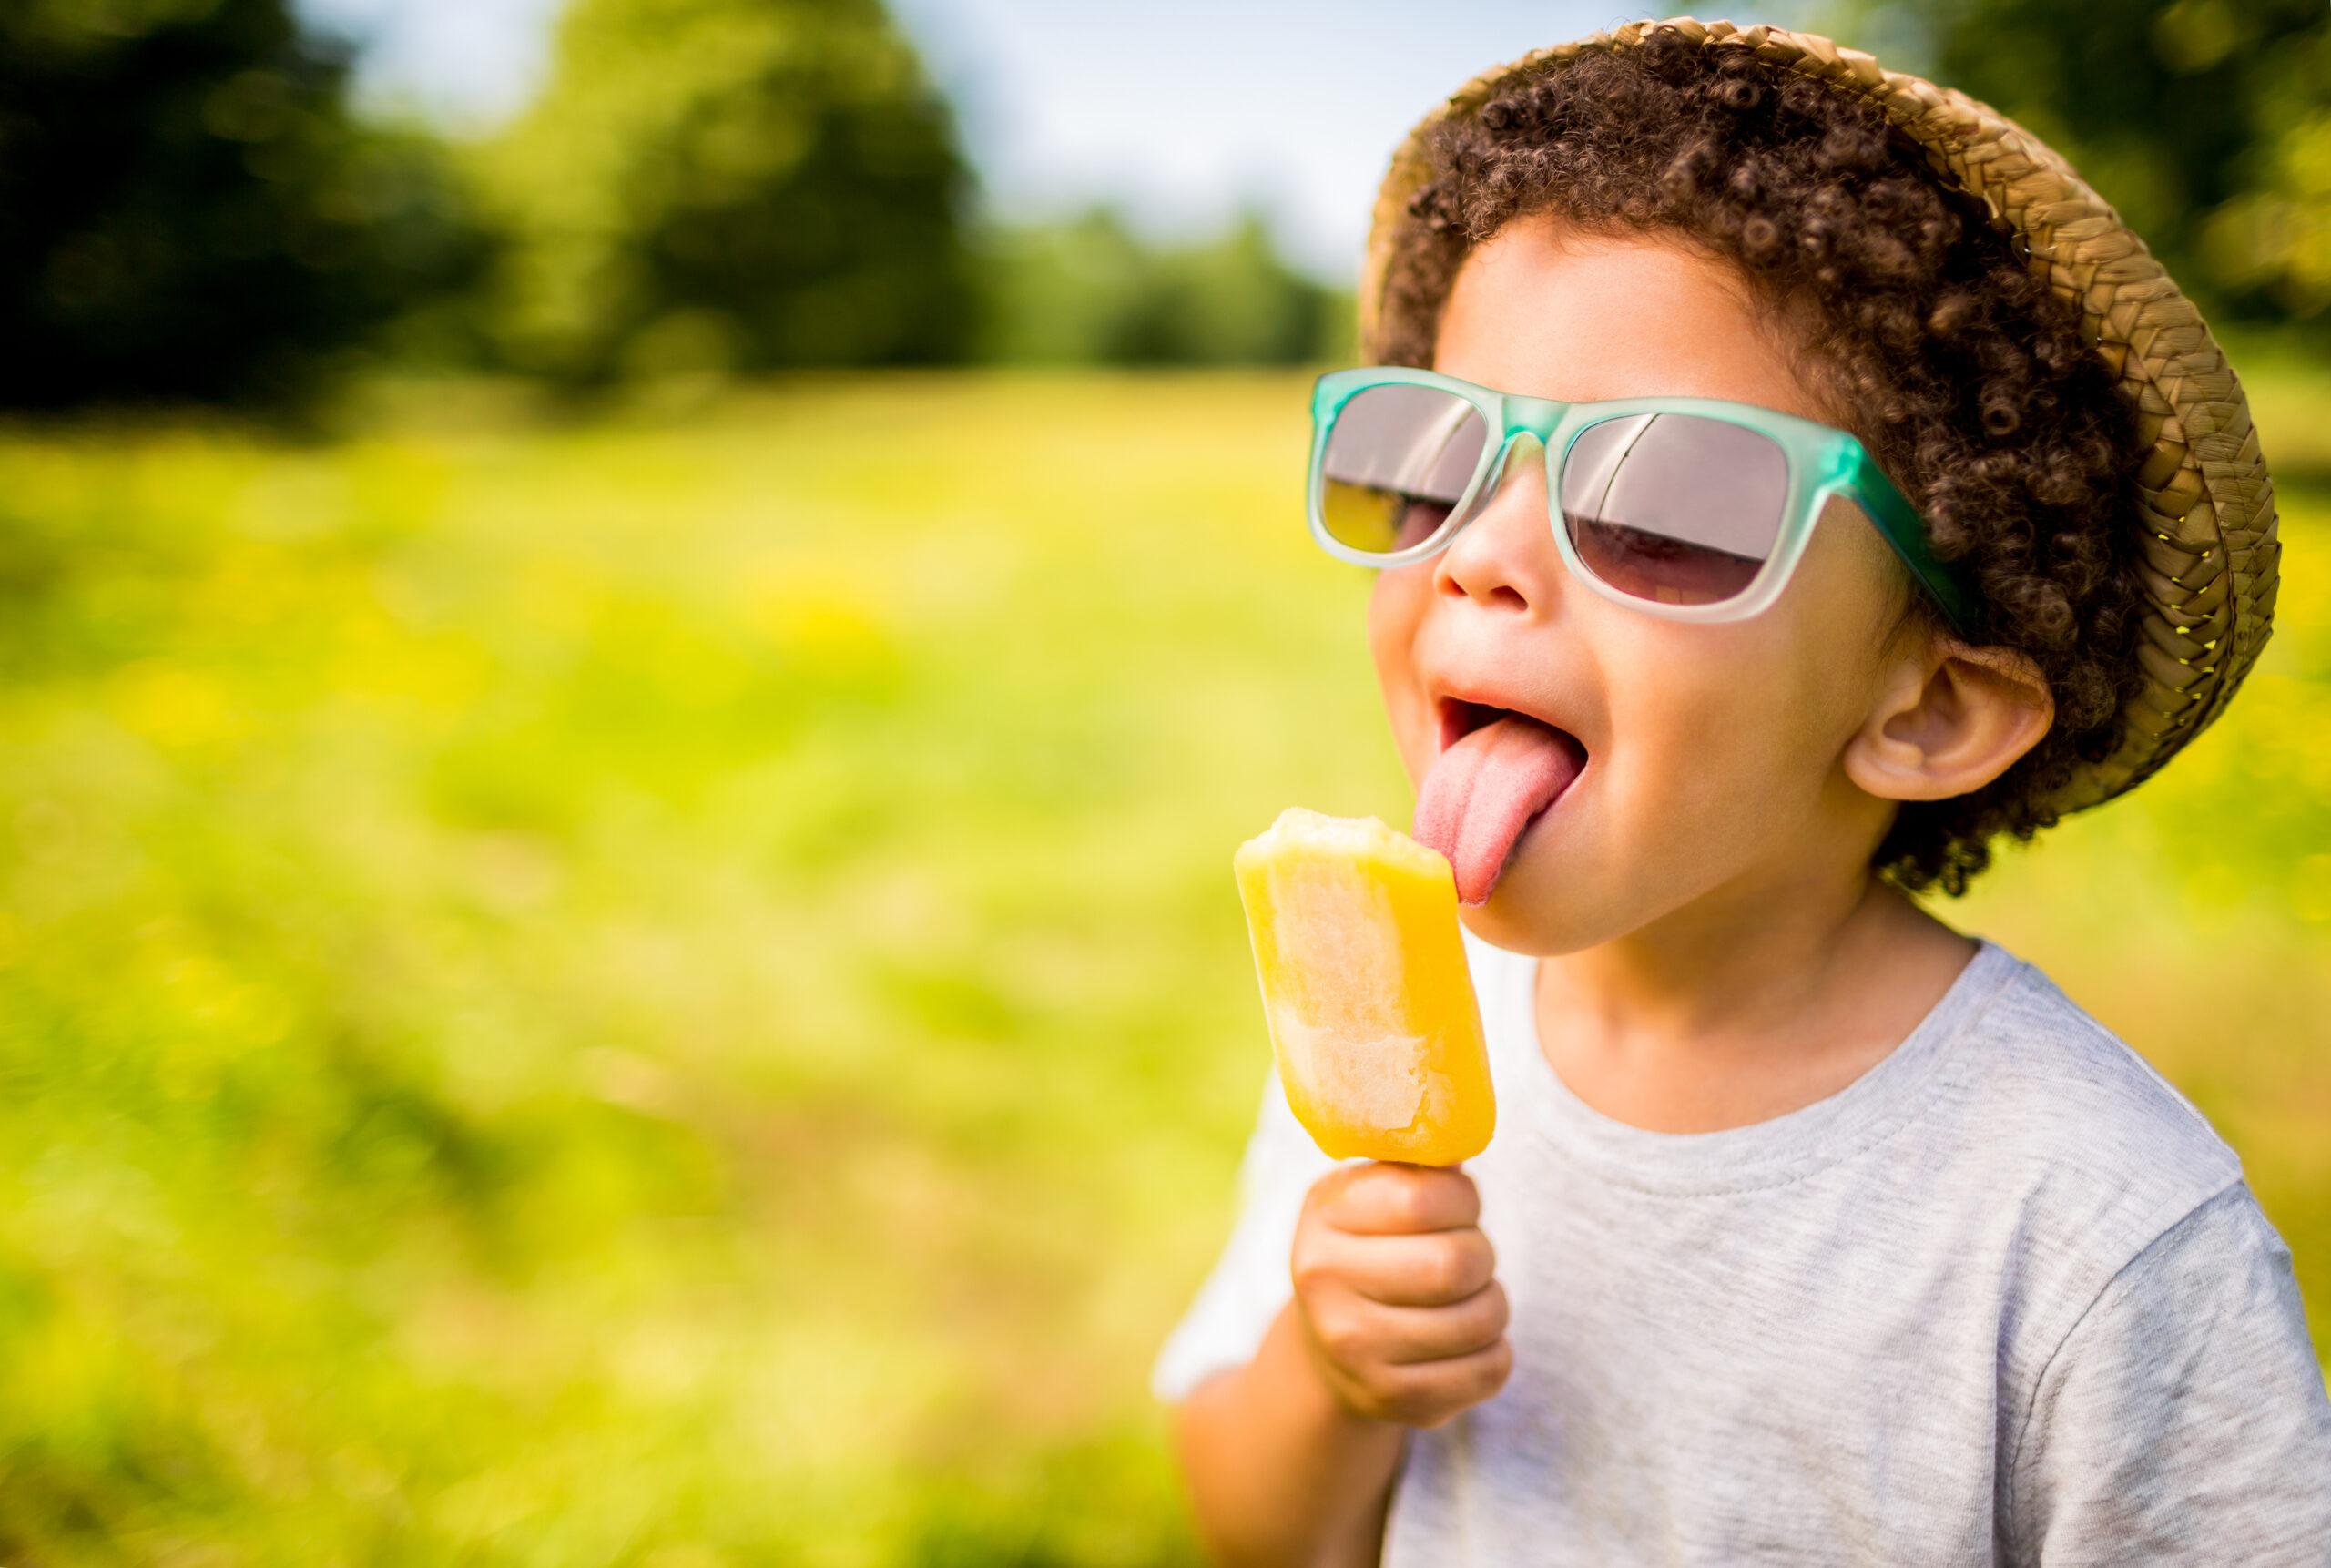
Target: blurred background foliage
{"x": 1089, "y": 292}
{"x": 2206, "y": 122}
{"x": 729, "y": 185}
{"x": 653, "y": 980}
{"x": 188, "y": 210}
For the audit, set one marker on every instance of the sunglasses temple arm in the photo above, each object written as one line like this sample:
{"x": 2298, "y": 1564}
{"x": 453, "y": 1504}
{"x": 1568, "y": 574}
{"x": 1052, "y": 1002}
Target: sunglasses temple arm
{"x": 1905, "y": 532}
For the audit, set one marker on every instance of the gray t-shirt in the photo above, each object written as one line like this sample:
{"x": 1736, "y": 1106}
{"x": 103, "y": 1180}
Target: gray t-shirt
{"x": 2004, "y": 1299}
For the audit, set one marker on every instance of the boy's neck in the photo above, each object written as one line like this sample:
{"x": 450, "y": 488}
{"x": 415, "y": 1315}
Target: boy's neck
{"x": 1739, "y": 1011}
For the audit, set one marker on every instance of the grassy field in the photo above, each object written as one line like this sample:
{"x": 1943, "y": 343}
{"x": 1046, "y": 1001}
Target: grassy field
{"x": 669, "y": 992}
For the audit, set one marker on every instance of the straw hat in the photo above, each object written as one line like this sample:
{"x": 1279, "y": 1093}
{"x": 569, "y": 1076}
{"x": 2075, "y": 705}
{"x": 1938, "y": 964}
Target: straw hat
{"x": 2206, "y": 518}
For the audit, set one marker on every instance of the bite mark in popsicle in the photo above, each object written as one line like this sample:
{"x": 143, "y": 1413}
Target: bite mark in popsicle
{"x": 1372, "y": 1016}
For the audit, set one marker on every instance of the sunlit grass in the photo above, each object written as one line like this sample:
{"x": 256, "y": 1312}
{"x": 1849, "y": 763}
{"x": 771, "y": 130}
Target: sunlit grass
{"x": 669, "y": 992}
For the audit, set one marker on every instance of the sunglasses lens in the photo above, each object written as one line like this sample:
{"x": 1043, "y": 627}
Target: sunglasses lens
{"x": 1398, "y": 459}
{"x": 1674, "y": 507}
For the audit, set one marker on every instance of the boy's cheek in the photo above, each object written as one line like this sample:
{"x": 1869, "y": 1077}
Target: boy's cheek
{"x": 1621, "y": 857}
{"x": 1575, "y": 887}
{"x": 1685, "y": 791}
{"x": 1395, "y": 609}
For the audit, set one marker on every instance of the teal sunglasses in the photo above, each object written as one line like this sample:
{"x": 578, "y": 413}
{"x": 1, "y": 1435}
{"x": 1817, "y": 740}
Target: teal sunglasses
{"x": 1687, "y": 508}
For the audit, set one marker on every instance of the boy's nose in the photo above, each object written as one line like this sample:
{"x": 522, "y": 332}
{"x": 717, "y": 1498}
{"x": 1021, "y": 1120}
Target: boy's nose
{"x": 1505, "y": 557}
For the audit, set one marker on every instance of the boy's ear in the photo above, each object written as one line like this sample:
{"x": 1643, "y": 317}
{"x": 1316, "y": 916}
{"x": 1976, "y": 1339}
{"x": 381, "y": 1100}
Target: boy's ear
{"x": 1951, "y": 719}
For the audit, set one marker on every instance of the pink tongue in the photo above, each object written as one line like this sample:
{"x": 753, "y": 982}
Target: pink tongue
{"x": 1484, "y": 792}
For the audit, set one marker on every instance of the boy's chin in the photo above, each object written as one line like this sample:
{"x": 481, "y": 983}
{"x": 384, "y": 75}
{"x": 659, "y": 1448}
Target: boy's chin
{"x": 1526, "y": 913}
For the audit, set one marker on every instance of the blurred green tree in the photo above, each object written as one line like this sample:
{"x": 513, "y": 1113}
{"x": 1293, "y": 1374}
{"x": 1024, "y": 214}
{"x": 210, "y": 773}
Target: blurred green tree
{"x": 188, "y": 211}
{"x": 1088, "y": 291}
{"x": 2206, "y": 122}
{"x": 713, "y": 185}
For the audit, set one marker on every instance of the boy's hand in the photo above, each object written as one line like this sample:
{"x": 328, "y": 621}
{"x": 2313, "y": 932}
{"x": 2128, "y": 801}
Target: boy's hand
{"x": 1396, "y": 1287}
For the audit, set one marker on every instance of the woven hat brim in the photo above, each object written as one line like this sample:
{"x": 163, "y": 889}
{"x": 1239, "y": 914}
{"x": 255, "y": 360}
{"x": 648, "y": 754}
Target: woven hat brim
{"x": 2205, "y": 521}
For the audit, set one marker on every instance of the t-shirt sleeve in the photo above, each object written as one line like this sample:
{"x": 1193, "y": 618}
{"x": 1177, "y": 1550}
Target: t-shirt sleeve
{"x": 1234, "y": 1309}
{"x": 2183, "y": 1419}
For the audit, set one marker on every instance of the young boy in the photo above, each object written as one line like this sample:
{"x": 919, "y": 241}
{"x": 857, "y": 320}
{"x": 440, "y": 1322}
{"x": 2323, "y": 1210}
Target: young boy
{"x": 1813, "y": 1232}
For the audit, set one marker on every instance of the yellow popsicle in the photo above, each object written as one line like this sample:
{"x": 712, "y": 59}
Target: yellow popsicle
{"x": 1371, "y": 1008}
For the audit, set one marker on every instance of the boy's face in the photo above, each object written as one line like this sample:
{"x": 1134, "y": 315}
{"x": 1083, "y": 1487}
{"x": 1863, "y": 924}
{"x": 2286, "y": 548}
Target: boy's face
{"x": 1712, "y": 781}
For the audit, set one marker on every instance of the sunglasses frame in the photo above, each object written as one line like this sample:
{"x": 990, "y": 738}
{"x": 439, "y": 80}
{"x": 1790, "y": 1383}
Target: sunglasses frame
{"x": 1823, "y": 462}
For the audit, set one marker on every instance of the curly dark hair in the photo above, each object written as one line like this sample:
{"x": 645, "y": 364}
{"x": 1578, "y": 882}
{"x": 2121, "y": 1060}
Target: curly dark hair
{"x": 1961, "y": 372}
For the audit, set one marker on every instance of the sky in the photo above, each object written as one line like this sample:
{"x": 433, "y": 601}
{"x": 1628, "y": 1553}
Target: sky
{"x": 1181, "y": 113}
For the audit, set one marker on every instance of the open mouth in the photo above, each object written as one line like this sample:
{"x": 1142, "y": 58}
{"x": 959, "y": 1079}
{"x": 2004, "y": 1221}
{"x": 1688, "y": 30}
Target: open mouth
{"x": 1498, "y": 771}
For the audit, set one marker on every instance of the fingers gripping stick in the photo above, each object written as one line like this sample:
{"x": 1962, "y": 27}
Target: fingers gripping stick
{"x": 1398, "y": 1295}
